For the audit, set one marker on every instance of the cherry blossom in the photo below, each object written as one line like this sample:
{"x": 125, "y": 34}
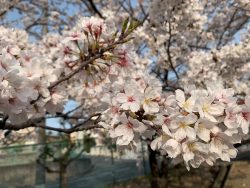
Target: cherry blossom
{"x": 181, "y": 127}
{"x": 208, "y": 110}
{"x": 130, "y": 99}
{"x": 149, "y": 105}
{"x": 126, "y": 131}
{"x": 107, "y": 67}
{"x": 244, "y": 116}
{"x": 188, "y": 104}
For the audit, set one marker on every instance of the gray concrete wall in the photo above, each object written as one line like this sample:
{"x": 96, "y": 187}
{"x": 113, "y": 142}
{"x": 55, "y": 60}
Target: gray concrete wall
{"x": 23, "y": 175}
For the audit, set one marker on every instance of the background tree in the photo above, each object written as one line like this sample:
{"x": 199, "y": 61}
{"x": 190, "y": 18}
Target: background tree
{"x": 180, "y": 42}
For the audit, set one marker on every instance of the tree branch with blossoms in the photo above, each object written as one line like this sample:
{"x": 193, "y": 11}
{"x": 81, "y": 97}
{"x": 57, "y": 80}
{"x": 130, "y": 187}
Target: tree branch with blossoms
{"x": 97, "y": 49}
{"x": 96, "y": 63}
{"x": 87, "y": 124}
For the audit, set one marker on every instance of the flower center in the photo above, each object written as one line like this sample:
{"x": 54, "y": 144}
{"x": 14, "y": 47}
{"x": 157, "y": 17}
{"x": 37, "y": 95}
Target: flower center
{"x": 147, "y": 101}
{"x": 246, "y": 115}
{"x": 123, "y": 62}
{"x": 130, "y": 125}
{"x": 231, "y": 115}
{"x": 206, "y": 108}
{"x": 182, "y": 125}
{"x": 186, "y": 104}
{"x": 131, "y": 99}
{"x": 114, "y": 109}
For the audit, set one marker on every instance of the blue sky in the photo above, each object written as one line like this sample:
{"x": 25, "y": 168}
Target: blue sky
{"x": 54, "y": 122}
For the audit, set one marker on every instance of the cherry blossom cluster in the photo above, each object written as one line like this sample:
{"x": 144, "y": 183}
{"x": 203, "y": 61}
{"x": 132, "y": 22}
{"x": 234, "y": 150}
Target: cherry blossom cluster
{"x": 26, "y": 74}
{"x": 194, "y": 125}
{"x": 230, "y": 64}
{"x": 96, "y": 64}
{"x": 191, "y": 35}
{"x": 31, "y": 73}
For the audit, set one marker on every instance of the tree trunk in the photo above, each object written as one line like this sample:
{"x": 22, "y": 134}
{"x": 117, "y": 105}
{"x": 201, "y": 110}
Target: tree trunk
{"x": 154, "y": 168}
{"x": 63, "y": 176}
{"x": 143, "y": 158}
{"x": 164, "y": 172}
{"x": 159, "y": 174}
{"x": 40, "y": 170}
{"x": 45, "y": 27}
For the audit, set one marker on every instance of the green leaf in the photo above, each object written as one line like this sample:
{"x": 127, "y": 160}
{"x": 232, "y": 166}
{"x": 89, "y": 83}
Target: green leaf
{"x": 124, "y": 25}
{"x": 133, "y": 24}
{"x": 114, "y": 35}
{"x": 149, "y": 117}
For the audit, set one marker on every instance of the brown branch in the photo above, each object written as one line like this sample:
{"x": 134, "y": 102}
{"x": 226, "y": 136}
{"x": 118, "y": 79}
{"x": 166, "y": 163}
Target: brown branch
{"x": 130, "y": 6}
{"x": 237, "y": 28}
{"x": 67, "y": 114}
{"x": 10, "y": 7}
{"x": 226, "y": 28}
{"x": 4, "y": 120}
{"x": 85, "y": 125}
{"x": 70, "y": 130}
{"x": 70, "y": 75}
{"x": 144, "y": 13}
{"x": 199, "y": 47}
{"x": 89, "y": 60}
{"x": 168, "y": 51}
{"x": 94, "y": 8}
